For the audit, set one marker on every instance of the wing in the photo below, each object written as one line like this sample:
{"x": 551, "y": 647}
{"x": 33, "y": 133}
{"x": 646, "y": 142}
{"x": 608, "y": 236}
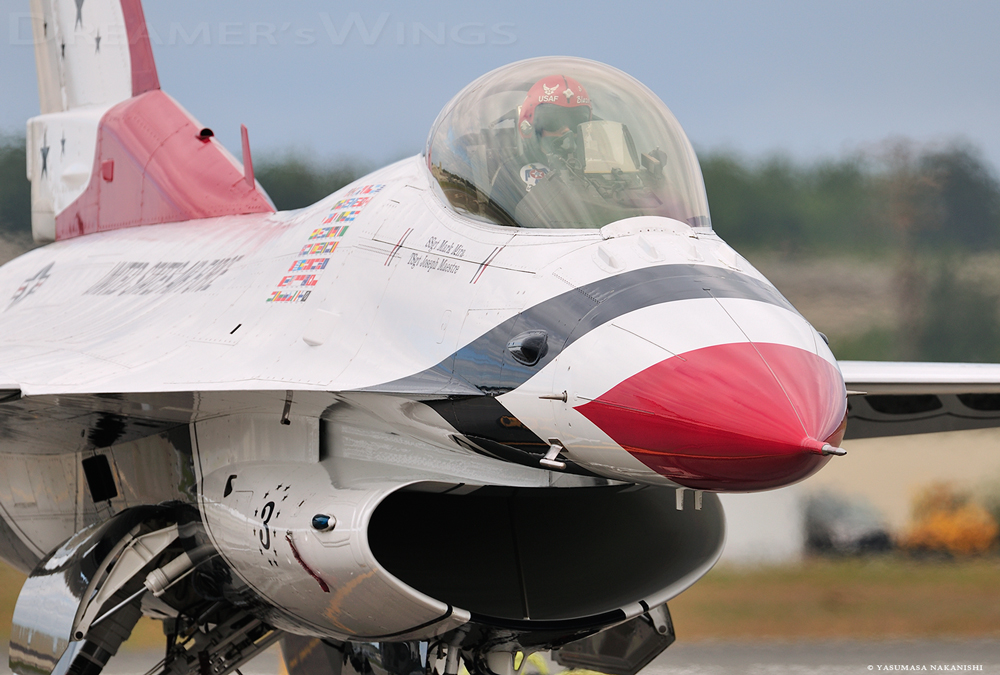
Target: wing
{"x": 920, "y": 398}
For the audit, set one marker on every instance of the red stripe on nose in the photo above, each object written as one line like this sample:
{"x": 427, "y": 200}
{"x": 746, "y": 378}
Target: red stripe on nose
{"x": 732, "y": 417}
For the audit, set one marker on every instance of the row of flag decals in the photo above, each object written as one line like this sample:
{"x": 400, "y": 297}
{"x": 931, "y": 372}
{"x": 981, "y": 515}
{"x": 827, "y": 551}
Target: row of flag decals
{"x": 328, "y": 232}
{"x": 303, "y": 274}
{"x": 319, "y": 249}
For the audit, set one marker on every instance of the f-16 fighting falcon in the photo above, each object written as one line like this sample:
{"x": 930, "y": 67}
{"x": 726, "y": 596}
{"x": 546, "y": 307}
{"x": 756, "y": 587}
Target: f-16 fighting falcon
{"x": 475, "y": 405}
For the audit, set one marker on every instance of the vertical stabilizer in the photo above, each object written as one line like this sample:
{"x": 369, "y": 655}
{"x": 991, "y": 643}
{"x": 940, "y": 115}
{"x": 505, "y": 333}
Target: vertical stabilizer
{"x": 109, "y": 149}
{"x": 82, "y": 52}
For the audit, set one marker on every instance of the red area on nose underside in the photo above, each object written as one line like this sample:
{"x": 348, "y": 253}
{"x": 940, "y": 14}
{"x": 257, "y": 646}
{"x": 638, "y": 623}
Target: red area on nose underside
{"x": 731, "y": 417}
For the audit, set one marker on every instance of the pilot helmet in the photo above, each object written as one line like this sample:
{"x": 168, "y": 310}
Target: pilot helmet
{"x": 552, "y": 104}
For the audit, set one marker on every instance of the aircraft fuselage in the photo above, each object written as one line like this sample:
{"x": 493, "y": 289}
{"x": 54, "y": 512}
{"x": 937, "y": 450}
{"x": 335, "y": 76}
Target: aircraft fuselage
{"x": 653, "y": 352}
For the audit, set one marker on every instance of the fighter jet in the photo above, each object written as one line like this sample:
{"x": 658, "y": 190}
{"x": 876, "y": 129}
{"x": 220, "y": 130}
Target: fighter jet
{"x": 477, "y": 404}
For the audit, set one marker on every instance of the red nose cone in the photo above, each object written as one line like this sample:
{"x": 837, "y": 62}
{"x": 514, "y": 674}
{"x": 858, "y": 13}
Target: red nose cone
{"x": 733, "y": 417}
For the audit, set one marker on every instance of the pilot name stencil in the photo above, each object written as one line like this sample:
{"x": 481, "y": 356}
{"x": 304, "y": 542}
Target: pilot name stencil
{"x": 434, "y": 244}
{"x": 429, "y": 263}
{"x": 143, "y": 278}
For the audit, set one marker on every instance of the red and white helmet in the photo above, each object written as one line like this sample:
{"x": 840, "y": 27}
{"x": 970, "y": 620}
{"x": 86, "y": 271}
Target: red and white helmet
{"x": 553, "y": 102}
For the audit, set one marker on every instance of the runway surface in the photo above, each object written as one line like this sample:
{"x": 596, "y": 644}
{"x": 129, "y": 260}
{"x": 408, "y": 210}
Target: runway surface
{"x": 834, "y": 657}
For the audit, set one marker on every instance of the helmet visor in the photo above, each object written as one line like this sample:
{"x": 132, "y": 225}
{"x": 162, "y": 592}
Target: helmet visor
{"x": 555, "y": 118}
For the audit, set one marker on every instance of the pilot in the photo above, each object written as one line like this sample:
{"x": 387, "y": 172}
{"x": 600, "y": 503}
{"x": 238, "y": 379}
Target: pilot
{"x": 547, "y": 125}
{"x": 553, "y": 109}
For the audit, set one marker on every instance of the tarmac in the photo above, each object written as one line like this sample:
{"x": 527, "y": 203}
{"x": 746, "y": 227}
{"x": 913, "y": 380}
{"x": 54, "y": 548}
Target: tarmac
{"x": 833, "y": 657}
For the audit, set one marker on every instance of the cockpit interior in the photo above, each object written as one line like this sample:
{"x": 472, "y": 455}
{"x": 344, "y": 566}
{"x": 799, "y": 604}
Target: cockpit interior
{"x": 564, "y": 143}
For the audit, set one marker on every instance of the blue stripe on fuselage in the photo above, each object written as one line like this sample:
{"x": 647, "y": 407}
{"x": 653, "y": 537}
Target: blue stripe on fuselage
{"x": 484, "y": 366}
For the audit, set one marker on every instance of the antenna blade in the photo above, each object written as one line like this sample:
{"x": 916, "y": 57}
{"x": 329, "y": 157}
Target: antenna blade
{"x": 247, "y": 161}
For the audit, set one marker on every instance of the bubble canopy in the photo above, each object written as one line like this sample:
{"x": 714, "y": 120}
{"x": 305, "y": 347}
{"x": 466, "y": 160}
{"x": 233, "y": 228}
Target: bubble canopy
{"x": 564, "y": 143}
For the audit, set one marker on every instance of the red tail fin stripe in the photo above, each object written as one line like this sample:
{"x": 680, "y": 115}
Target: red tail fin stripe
{"x": 144, "y": 77}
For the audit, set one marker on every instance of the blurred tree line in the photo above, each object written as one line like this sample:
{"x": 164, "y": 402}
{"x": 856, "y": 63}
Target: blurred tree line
{"x": 926, "y": 199}
{"x": 15, "y": 190}
{"x": 922, "y": 208}
{"x": 294, "y": 182}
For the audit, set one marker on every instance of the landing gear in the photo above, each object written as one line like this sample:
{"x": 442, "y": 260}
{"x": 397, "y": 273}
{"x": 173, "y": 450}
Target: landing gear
{"x": 208, "y": 648}
{"x": 82, "y": 601}
{"x": 623, "y": 649}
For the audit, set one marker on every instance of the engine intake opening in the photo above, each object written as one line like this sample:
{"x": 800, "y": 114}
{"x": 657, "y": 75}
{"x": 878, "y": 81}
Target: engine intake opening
{"x": 516, "y": 554}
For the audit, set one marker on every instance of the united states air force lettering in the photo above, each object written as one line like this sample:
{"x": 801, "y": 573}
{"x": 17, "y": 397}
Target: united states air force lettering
{"x": 144, "y": 278}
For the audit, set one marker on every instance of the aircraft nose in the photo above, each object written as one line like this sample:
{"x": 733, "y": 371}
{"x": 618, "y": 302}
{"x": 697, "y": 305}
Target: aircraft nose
{"x": 729, "y": 417}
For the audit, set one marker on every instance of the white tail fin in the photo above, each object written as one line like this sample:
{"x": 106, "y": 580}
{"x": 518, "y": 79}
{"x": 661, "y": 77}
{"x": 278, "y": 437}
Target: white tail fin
{"x": 90, "y": 53}
{"x": 101, "y": 104}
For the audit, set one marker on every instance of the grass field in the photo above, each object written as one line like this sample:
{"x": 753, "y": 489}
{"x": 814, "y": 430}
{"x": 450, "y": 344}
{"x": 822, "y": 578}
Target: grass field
{"x": 881, "y": 598}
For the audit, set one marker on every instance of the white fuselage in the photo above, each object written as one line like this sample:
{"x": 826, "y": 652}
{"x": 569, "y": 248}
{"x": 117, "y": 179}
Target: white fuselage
{"x": 370, "y": 286}
{"x": 381, "y": 318}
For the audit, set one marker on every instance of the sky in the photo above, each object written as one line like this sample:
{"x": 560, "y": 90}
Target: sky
{"x": 366, "y": 80}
